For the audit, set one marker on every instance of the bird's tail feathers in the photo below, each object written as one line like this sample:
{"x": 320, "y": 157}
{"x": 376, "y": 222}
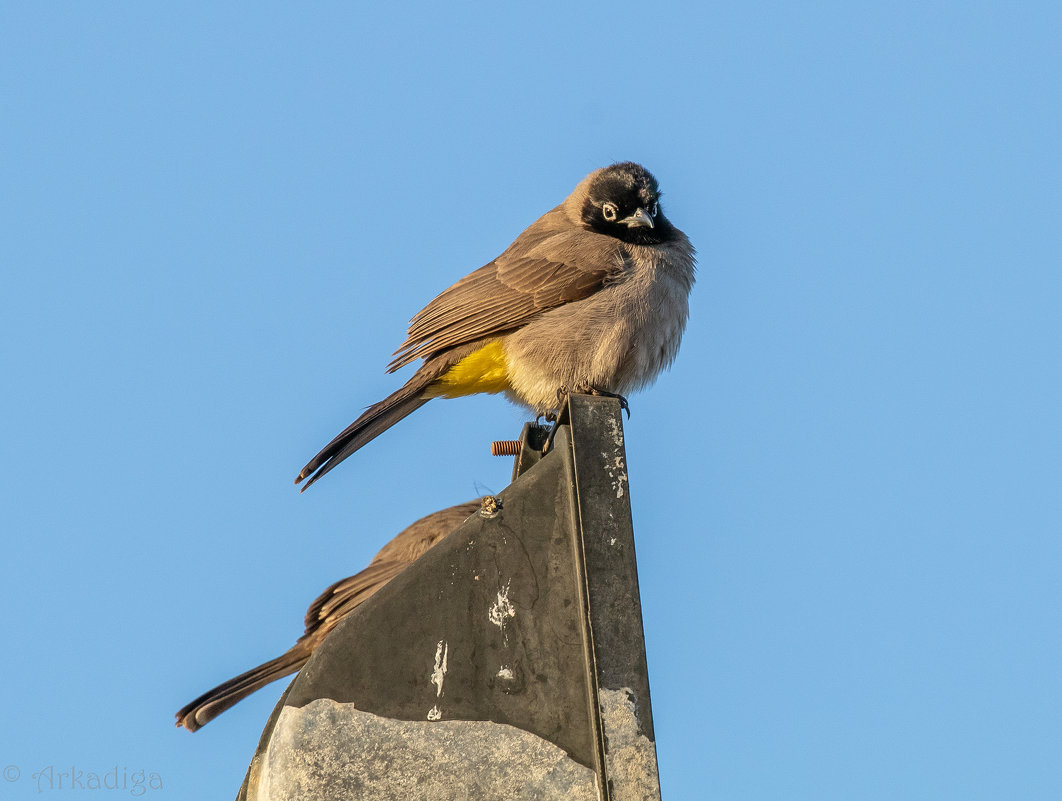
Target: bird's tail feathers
{"x": 381, "y": 416}
{"x": 213, "y": 702}
{"x": 374, "y": 421}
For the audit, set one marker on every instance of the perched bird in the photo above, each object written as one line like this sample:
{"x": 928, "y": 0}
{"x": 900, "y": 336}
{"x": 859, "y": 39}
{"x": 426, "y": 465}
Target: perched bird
{"x": 324, "y": 614}
{"x": 592, "y": 297}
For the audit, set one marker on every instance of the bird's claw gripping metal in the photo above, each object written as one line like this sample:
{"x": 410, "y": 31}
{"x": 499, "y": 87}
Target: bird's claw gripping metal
{"x": 586, "y": 389}
{"x": 556, "y": 416}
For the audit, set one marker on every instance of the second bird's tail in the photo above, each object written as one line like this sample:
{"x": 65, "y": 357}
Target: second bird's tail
{"x": 213, "y": 702}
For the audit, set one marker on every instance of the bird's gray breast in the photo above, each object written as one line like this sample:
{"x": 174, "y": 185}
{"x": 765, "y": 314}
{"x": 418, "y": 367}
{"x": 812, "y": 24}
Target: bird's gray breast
{"x": 652, "y": 309}
{"x": 618, "y": 339}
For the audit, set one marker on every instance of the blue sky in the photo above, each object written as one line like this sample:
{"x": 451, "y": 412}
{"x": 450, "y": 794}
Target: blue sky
{"x": 216, "y": 220}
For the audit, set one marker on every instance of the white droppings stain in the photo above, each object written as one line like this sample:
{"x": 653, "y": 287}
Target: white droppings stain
{"x": 611, "y": 540}
{"x": 617, "y": 473}
{"x": 502, "y": 609}
{"x": 505, "y": 672}
{"x": 442, "y": 650}
{"x": 615, "y": 431}
{"x": 437, "y": 675}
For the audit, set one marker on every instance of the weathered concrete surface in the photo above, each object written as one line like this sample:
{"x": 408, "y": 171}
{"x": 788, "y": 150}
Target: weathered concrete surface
{"x": 328, "y": 751}
{"x": 631, "y": 755}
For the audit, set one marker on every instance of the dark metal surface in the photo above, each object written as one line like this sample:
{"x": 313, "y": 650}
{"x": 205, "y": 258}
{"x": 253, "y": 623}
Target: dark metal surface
{"x": 524, "y": 555}
{"x": 532, "y": 438}
{"x": 608, "y": 541}
{"x": 532, "y": 608}
{"x": 611, "y": 570}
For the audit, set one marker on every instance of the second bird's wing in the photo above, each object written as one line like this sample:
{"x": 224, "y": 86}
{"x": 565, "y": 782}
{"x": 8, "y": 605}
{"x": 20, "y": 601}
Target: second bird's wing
{"x": 408, "y": 546}
{"x": 339, "y": 600}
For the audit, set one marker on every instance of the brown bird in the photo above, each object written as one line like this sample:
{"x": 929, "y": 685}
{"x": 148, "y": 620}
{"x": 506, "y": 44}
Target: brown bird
{"x": 592, "y": 297}
{"x": 324, "y": 614}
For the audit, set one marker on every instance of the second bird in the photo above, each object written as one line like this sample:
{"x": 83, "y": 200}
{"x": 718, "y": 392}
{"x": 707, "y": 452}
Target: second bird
{"x": 592, "y": 297}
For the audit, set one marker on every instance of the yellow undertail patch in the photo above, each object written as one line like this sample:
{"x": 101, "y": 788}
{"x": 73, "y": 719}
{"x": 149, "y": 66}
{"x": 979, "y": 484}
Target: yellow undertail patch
{"x": 483, "y": 371}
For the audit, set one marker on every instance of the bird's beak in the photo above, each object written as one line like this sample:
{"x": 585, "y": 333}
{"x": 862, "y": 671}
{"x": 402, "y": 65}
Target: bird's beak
{"x": 640, "y": 219}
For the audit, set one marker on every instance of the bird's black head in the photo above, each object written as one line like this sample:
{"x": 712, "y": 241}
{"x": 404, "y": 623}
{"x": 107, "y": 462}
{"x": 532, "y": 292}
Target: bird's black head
{"x": 624, "y": 201}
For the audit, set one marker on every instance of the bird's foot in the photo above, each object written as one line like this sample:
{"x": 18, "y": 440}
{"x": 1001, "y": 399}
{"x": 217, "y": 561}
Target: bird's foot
{"x": 586, "y": 389}
{"x": 547, "y": 446}
{"x": 553, "y": 416}
{"x": 562, "y": 398}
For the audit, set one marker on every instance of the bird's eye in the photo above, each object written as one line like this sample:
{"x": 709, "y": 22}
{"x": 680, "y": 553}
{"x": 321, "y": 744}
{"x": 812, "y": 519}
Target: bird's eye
{"x": 609, "y": 212}
{"x": 654, "y": 210}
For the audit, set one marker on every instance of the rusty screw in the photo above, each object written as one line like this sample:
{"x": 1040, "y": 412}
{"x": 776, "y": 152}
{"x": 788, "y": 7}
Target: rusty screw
{"x": 505, "y": 447}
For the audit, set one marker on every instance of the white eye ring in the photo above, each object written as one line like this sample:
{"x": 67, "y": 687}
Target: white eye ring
{"x": 609, "y": 212}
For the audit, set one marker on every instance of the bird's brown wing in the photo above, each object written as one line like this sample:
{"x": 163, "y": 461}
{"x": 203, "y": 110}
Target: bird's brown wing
{"x": 548, "y": 265}
{"x": 337, "y": 601}
{"x": 410, "y": 544}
